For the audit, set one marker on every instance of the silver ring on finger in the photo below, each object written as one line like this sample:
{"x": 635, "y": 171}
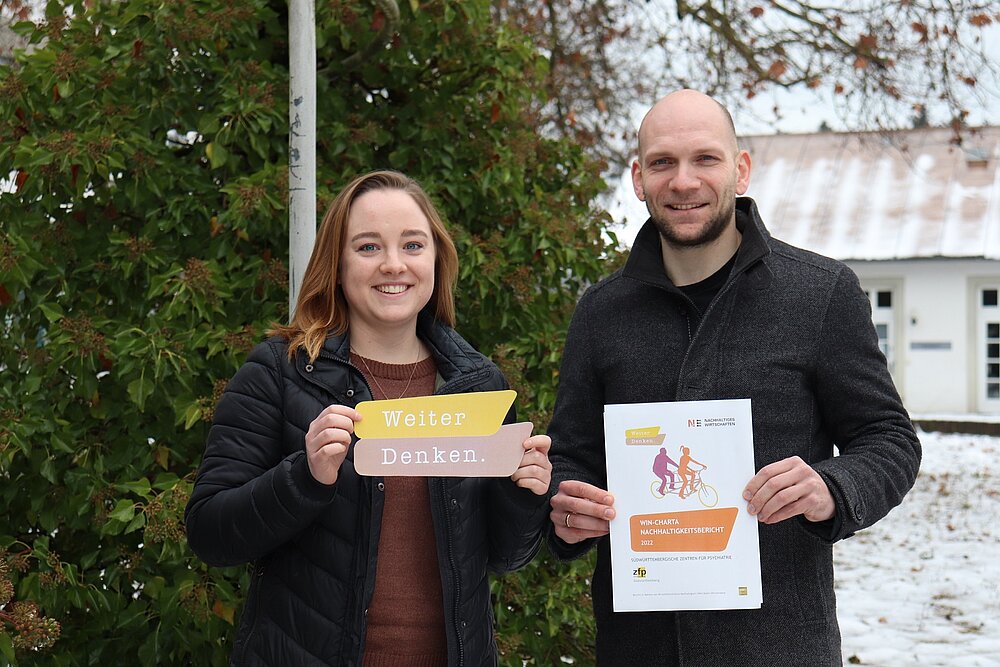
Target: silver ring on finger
{"x": 567, "y": 519}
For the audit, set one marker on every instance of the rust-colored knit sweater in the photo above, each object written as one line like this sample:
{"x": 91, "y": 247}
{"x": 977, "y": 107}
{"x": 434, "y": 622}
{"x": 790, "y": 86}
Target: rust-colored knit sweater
{"x": 406, "y": 614}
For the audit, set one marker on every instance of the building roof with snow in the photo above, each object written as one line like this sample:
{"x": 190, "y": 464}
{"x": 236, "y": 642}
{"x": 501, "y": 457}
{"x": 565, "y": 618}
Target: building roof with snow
{"x": 876, "y": 196}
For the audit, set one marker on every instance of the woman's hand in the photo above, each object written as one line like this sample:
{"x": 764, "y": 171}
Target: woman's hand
{"x": 535, "y": 471}
{"x": 327, "y": 441}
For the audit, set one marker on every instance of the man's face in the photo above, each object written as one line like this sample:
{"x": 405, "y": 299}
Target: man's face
{"x": 689, "y": 171}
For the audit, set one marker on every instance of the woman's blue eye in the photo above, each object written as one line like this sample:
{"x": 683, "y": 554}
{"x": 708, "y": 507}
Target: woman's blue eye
{"x": 413, "y": 245}
{"x": 367, "y": 247}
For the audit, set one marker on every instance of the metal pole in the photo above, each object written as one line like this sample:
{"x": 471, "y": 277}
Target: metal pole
{"x": 301, "y": 143}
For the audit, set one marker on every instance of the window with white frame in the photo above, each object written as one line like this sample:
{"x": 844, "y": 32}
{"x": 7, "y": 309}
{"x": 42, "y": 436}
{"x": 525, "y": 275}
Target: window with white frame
{"x": 989, "y": 343}
{"x": 883, "y": 316}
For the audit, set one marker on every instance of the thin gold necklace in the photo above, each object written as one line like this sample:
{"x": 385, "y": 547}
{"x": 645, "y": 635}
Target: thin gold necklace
{"x": 413, "y": 370}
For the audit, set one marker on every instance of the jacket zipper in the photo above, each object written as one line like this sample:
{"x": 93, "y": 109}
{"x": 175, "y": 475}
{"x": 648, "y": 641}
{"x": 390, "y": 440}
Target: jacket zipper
{"x": 258, "y": 573}
{"x": 457, "y": 583}
{"x": 701, "y": 322}
{"x": 364, "y": 597}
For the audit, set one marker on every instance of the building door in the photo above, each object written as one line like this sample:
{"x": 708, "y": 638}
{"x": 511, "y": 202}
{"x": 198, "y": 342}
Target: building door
{"x": 988, "y": 349}
{"x": 884, "y": 317}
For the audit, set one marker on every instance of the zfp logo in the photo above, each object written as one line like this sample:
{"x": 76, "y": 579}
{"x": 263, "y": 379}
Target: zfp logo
{"x": 639, "y": 573}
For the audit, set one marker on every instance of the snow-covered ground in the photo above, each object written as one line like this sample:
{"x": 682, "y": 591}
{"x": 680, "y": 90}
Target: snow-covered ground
{"x": 922, "y": 586}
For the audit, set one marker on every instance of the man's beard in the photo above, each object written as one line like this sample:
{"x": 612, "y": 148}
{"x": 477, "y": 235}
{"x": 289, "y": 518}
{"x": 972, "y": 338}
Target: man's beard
{"x": 712, "y": 231}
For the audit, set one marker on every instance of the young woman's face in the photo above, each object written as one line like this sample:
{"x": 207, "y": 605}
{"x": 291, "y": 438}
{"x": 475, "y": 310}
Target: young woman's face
{"x": 387, "y": 271}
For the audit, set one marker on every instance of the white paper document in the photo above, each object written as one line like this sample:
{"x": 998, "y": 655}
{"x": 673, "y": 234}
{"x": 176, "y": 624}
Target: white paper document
{"x": 682, "y": 537}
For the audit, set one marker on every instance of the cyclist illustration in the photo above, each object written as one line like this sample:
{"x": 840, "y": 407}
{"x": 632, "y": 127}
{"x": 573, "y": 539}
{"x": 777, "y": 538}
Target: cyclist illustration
{"x": 691, "y": 482}
{"x": 686, "y": 473}
{"x": 661, "y": 468}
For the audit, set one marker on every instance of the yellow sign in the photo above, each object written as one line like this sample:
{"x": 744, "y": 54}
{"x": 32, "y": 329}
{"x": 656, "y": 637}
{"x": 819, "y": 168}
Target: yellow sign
{"x": 442, "y": 416}
{"x": 649, "y": 435}
{"x": 449, "y": 435}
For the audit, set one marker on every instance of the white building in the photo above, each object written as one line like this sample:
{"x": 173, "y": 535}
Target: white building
{"x": 917, "y": 217}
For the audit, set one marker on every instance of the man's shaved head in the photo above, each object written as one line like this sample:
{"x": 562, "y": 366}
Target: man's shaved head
{"x": 688, "y": 102}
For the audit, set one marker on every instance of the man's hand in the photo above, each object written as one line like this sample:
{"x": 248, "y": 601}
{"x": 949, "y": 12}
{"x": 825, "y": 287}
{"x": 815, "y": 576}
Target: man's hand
{"x": 535, "y": 472}
{"x": 788, "y": 488}
{"x": 581, "y": 511}
{"x": 328, "y": 440}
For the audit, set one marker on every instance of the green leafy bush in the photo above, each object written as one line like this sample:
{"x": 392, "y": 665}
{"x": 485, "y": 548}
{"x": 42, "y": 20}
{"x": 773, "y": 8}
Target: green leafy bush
{"x": 143, "y": 251}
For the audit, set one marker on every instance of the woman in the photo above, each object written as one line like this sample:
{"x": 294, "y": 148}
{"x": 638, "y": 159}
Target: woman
{"x": 687, "y": 472}
{"x": 352, "y": 570}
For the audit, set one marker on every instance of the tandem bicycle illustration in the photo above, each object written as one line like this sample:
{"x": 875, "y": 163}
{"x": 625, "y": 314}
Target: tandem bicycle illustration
{"x": 683, "y": 483}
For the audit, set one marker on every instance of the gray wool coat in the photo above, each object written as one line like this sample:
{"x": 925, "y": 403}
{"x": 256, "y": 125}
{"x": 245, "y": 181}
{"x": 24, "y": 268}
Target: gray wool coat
{"x": 792, "y": 331}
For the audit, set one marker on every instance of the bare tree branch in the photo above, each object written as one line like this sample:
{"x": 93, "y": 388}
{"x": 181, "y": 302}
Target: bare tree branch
{"x": 882, "y": 64}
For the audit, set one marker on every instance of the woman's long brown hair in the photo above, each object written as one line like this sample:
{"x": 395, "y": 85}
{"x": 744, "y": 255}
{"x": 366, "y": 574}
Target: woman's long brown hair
{"x": 321, "y": 309}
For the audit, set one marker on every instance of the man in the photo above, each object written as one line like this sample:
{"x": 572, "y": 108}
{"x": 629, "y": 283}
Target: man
{"x": 661, "y": 468}
{"x": 709, "y": 306}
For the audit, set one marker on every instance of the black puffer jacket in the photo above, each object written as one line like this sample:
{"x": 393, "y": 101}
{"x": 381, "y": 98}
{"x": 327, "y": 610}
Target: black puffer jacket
{"x": 314, "y": 546}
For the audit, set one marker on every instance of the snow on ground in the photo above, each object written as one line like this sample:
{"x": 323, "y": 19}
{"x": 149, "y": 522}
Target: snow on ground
{"x": 922, "y": 586}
